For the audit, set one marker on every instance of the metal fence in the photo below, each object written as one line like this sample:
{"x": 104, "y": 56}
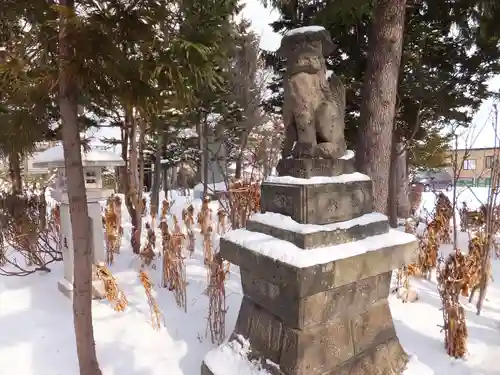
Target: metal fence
{"x": 479, "y": 182}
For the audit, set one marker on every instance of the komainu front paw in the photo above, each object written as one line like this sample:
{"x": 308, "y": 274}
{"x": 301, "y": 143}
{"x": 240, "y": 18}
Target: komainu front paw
{"x": 304, "y": 151}
{"x": 330, "y": 150}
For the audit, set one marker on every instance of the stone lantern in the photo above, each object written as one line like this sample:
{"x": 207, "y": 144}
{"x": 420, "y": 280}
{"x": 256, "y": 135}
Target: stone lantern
{"x": 94, "y": 162}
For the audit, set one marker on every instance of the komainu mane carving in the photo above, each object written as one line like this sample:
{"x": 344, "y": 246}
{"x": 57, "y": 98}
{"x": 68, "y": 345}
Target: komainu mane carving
{"x": 314, "y": 106}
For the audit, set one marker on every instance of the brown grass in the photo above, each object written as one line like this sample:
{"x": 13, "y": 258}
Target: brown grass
{"x": 173, "y": 267}
{"x": 452, "y": 275}
{"x": 114, "y": 294}
{"x": 216, "y": 292}
{"x": 156, "y": 315}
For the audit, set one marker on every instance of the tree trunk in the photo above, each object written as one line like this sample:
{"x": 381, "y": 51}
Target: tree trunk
{"x": 133, "y": 154}
{"x": 205, "y": 157}
{"x": 131, "y": 196}
{"x": 380, "y": 88}
{"x": 15, "y": 173}
{"x": 267, "y": 157}
{"x": 403, "y": 185}
{"x": 238, "y": 167}
{"x": 166, "y": 180}
{"x": 392, "y": 210}
{"x": 165, "y": 168}
{"x": 155, "y": 190}
{"x": 173, "y": 177}
{"x": 239, "y": 160}
{"x": 123, "y": 185}
{"x": 82, "y": 297}
{"x": 140, "y": 187}
{"x": 201, "y": 141}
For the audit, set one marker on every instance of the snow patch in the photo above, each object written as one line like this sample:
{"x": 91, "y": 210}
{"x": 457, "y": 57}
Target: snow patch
{"x": 349, "y": 154}
{"x": 231, "y": 358}
{"x": 287, "y": 252}
{"x": 287, "y": 223}
{"x": 304, "y": 30}
{"x": 212, "y": 187}
{"x": 318, "y": 180}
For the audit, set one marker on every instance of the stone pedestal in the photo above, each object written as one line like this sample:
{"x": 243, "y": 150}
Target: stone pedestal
{"x": 94, "y": 196}
{"x": 316, "y": 271}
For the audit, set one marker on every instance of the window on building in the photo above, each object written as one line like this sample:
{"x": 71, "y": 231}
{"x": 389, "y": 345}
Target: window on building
{"x": 469, "y": 164}
{"x": 489, "y": 161}
{"x": 90, "y": 177}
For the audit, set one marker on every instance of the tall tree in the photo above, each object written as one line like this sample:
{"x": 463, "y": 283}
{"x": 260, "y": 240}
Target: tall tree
{"x": 374, "y": 149}
{"x": 68, "y": 105}
{"x": 247, "y": 79}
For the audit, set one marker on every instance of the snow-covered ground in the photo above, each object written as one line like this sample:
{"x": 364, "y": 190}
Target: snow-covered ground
{"x": 37, "y": 337}
{"x": 473, "y": 197}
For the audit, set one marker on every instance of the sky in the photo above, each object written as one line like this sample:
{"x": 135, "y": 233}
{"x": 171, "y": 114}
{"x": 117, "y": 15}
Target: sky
{"x": 261, "y": 17}
{"x": 480, "y": 134}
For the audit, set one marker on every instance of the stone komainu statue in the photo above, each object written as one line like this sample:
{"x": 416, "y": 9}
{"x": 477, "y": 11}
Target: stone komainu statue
{"x": 314, "y": 106}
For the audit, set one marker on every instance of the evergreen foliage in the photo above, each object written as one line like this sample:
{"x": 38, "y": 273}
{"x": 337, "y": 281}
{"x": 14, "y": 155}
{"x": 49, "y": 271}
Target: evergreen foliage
{"x": 449, "y": 55}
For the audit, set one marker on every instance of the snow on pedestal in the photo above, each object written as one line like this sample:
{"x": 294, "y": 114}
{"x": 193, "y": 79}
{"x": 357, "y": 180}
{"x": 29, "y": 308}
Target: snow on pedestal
{"x": 305, "y": 30}
{"x": 231, "y": 358}
{"x": 93, "y": 164}
{"x": 315, "y": 269}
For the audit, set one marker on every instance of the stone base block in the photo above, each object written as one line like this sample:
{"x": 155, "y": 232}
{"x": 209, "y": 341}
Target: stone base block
{"x": 66, "y": 288}
{"x": 307, "y": 236}
{"x": 303, "y": 312}
{"x": 388, "y": 358}
{"x": 307, "y": 168}
{"x": 352, "y": 343}
{"x": 324, "y": 202}
{"x": 283, "y": 282}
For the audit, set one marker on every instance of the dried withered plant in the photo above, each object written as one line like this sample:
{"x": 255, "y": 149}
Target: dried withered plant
{"x": 117, "y": 207}
{"x": 188, "y": 218}
{"x": 205, "y": 216}
{"x": 165, "y": 209}
{"x": 428, "y": 249}
{"x": 156, "y": 314}
{"x": 3, "y": 253}
{"x": 148, "y": 252}
{"x": 114, "y": 294}
{"x": 451, "y": 275}
{"x": 216, "y": 292}
{"x": 473, "y": 264}
{"x": 244, "y": 200}
{"x": 221, "y": 223}
{"x": 27, "y": 235}
{"x": 208, "y": 251}
{"x": 111, "y": 231}
{"x": 174, "y": 268}
{"x": 143, "y": 207}
{"x": 444, "y": 214}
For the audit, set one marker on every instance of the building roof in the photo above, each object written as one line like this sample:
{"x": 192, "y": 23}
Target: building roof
{"x": 54, "y": 158}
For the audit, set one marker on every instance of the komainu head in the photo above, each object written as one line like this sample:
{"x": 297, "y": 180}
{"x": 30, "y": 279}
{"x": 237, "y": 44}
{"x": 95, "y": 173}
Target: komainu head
{"x": 305, "y": 48}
